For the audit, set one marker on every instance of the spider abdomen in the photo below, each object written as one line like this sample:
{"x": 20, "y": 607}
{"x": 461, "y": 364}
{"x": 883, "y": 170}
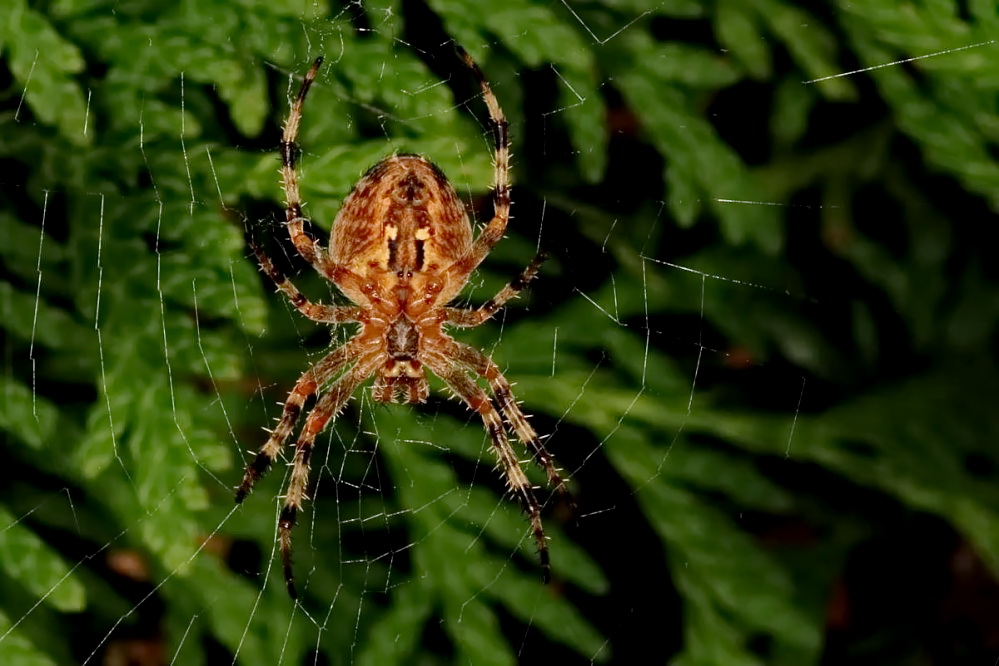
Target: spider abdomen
{"x": 400, "y": 227}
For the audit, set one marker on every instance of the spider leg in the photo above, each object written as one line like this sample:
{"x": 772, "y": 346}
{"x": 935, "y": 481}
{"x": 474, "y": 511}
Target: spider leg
{"x": 310, "y": 249}
{"x": 500, "y": 386}
{"x": 493, "y": 231}
{"x": 326, "y": 409}
{"x": 466, "y": 317}
{"x": 328, "y": 314}
{"x": 306, "y": 385}
{"x": 307, "y": 246}
{"x": 477, "y": 400}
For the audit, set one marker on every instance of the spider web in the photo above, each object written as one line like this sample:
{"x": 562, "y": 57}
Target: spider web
{"x": 675, "y": 354}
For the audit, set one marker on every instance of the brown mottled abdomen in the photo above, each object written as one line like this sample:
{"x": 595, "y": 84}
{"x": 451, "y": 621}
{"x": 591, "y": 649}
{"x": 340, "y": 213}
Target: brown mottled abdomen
{"x": 401, "y": 224}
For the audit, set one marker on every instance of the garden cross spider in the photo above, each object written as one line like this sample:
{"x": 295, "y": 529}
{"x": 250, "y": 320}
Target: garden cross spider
{"x": 401, "y": 248}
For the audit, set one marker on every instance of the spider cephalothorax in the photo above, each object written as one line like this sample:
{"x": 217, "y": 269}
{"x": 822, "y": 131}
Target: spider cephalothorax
{"x": 401, "y": 248}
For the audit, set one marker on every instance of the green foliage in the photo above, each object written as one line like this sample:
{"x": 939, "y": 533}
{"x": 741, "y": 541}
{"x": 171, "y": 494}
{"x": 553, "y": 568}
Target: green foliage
{"x": 799, "y": 291}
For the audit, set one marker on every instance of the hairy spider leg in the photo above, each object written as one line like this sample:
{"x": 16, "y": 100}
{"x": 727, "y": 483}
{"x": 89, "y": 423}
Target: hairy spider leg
{"x": 307, "y": 246}
{"x": 477, "y": 400}
{"x": 466, "y": 317}
{"x": 485, "y": 367}
{"x": 307, "y": 384}
{"x": 492, "y": 232}
{"x": 327, "y": 314}
{"x": 500, "y": 386}
{"x": 290, "y": 152}
{"x": 329, "y": 405}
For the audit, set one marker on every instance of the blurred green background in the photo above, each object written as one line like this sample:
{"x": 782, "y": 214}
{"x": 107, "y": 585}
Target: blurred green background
{"x": 764, "y": 348}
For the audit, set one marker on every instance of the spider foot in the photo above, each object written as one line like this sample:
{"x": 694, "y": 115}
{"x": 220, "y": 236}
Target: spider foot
{"x": 287, "y": 521}
{"x": 546, "y": 568}
{"x": 543, "y": 556}
{"x": 253, "y": 472}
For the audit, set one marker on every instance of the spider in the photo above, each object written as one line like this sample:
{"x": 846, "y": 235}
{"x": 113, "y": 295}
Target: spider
{"x": 401, "y": 249}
